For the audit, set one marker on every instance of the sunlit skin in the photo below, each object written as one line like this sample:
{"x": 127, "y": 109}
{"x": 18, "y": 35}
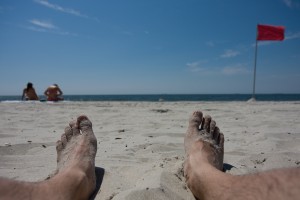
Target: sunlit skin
{"x": 204, "y": 146}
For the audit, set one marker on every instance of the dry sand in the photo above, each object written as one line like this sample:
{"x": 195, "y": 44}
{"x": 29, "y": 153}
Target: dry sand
{"x": 141, "y": 143}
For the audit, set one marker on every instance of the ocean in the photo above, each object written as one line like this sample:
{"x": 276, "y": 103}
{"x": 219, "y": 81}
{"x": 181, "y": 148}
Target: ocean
{"x": 171, "y": 97}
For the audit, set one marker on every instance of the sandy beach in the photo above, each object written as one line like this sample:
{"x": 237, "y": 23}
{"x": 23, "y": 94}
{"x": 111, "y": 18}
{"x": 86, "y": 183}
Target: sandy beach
{"x": 140, "y": 144}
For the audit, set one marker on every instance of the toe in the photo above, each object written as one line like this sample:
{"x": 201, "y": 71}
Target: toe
{"x": 74, "y": 128}
{"x": 212, "y": 128}
{"x": 59, "y": 146}
{"x": 84, "y": 124}
{"x": 64, "y": 140}
{"x": 221, "y": 140}
{"x": 68, "y": 133}
{"x": 206, "y": 125}
{"x": 195, "y": 120}
{"x": 59, "y": 149}
{"x": 216, "y": 135}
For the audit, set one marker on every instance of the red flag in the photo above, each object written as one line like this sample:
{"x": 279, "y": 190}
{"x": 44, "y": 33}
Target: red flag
{"x": 267, "y": 32}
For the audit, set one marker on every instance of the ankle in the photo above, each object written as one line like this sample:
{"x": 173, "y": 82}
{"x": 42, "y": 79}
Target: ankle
{"x": 73, "y": 180}
{"x": 202, "y": 176}
{"x": 79, "y": 183}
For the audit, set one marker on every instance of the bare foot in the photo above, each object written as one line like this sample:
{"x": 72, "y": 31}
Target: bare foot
{"x": 75, "y": 177}
{"x": 204, "y": 147}
{"x": 76, "y": 152}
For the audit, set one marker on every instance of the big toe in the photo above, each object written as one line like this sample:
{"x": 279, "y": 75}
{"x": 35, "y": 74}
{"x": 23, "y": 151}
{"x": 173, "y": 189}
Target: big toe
{"x": 84, "y": 124}
{"x": 195, "y": 120}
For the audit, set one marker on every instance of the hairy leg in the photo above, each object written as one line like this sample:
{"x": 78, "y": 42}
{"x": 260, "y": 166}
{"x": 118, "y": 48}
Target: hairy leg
{"x": 204, "y": 146}
{"x": 75, "y": 177}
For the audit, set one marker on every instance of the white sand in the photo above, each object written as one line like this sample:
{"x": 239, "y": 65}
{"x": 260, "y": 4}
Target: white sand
{"x": 140, "y": 148}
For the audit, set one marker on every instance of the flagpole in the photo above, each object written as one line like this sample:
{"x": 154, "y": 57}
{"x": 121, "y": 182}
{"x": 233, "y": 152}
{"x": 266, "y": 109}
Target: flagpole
{"x": 254, "y": 73}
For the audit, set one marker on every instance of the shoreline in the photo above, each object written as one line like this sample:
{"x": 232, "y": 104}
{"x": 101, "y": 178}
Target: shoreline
{"x": 170, "y": 97}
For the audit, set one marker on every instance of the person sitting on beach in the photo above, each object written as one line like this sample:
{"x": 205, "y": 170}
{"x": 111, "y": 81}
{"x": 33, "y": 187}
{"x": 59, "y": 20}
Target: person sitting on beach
{"x": 29, "y": 93}
{"x": 204, "y": 146}
{"x": 54, "y": 93}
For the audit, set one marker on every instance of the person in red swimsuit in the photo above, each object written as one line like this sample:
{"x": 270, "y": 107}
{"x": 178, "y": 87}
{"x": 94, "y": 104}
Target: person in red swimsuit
{"x": 54, "y": 93}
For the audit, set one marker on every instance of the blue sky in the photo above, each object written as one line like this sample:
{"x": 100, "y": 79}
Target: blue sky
{"x": 147, "y": 46}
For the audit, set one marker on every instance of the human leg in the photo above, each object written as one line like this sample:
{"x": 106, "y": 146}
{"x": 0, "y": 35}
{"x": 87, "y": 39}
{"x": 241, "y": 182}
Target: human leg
{"x": 75, "y": 177}
{"x": 204, "y": 146}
